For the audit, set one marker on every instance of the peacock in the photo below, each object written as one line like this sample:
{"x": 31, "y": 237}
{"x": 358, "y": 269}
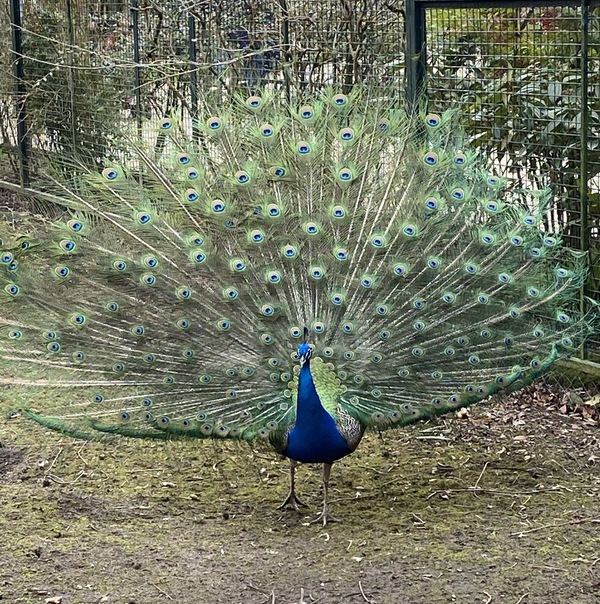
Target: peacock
{"x": 291, "y": 275}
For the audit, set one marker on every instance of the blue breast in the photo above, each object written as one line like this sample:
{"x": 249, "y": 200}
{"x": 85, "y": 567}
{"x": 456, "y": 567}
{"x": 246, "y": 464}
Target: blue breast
{"x": 315, "y": 437}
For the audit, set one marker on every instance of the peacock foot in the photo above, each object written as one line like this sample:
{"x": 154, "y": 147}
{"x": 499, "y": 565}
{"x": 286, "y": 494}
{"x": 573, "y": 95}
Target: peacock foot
{"x": 325, "y": 517}
{"x": 292, "y": 501}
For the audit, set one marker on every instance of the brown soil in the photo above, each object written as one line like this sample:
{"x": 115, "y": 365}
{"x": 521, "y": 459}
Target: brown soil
{"x": 501, "y": 505}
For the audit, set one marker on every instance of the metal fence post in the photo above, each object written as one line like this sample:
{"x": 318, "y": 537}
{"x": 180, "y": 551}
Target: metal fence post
{"x": 20, "y": 91}
{"x": 584, "y": 167}
{"x": 415, "y": 51}
{"x": 137, "y": 70}
{"x": 72, "y": 81}
{"x": 285, "y": 43}
{"x": 193, "y": 59}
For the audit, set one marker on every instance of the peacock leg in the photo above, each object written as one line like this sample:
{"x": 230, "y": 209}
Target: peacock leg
{"x": 325, "y": 516}
{"x": 292, "y": 500}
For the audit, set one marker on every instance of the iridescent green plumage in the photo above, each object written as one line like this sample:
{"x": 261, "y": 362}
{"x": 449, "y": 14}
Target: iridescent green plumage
{"x": 171, "y": 297}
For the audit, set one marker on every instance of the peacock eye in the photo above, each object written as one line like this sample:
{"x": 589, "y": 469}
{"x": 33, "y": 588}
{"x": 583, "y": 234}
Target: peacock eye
{"x": 110, "y": 173}
{"x": 242, "y": 177}
{"x": 306, "y": 112}
{"x": 431, "y": 158}
{"x": 433, "y": 120}
{"x": 214, "y": 123}
{"x": 254, "y": 102}
{"x": 340, "y": 100}
{"x": 383, "y": 125}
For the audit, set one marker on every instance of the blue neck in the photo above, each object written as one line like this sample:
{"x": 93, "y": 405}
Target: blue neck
{"x": 315, "y": 437}
{"x": 309, "y": 409}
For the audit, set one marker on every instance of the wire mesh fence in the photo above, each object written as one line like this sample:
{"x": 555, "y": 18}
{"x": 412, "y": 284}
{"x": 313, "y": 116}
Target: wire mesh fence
{"x": 95, "y": 67}
{"x": 527, "y": 78}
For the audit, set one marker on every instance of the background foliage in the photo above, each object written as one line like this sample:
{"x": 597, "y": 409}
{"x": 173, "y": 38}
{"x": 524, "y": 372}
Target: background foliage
{"x": 97, "y": 70}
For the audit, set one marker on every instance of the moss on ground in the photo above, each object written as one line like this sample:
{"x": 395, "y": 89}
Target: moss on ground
{"x": 500, "y": 507}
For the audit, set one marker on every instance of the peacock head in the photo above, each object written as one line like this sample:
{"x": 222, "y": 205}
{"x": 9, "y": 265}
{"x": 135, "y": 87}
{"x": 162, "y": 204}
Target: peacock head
{"x": 304, "y": 353}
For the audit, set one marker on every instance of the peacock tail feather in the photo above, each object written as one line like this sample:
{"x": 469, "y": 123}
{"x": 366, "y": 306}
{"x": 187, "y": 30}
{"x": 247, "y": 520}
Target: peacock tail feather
{"x": 170, "y": 297}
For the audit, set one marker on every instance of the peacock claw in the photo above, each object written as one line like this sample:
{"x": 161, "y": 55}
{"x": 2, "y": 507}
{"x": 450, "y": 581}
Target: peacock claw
{"x": 293, "y": 502}
{"x": 325, "y": 517}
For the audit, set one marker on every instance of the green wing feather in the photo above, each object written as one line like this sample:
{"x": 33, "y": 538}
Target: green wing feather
{"x": 169, "y": 300}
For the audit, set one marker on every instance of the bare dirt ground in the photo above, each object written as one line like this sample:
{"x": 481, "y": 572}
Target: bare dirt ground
{"x": 501, "y": 505}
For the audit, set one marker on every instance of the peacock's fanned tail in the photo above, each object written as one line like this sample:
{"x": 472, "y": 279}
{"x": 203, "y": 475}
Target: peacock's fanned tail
{"x": 170, "y": 298}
